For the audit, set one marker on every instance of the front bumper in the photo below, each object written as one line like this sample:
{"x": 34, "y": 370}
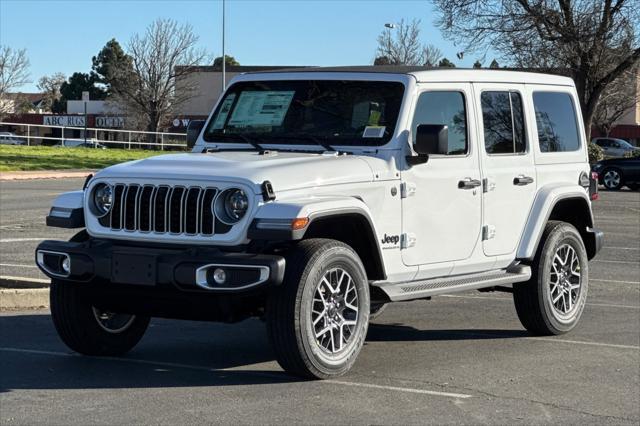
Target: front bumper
{"x": 104, "y": 262}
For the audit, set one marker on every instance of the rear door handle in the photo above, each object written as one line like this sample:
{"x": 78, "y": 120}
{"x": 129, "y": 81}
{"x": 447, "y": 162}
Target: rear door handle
{"x": 522, "y": 180}
{"x": 468, "y": 183}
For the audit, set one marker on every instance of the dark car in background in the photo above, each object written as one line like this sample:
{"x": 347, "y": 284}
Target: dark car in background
{"x": 615, "y": 173}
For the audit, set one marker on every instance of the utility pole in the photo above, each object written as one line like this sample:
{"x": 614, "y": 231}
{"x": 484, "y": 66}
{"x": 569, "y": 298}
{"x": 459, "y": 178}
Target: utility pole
{"x": 224, "y": 58}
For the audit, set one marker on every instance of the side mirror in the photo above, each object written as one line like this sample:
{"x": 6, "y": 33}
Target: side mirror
{"x": 193, "y": 131}
{"x": 429, "y": 139}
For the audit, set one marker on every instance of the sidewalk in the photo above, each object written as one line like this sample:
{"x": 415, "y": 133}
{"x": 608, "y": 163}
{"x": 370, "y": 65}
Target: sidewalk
{"x": 44, "y": 174}
{"x": 23, "y": 293}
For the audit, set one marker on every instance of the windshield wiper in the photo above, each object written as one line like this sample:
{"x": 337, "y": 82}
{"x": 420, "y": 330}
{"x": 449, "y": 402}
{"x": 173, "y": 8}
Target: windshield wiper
{"x": 243, "y": 138}
{"x": 314, "y": 139}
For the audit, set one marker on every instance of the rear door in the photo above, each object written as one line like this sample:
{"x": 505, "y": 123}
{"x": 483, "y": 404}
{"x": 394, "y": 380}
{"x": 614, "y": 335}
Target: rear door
{"x": 509, "y": 174}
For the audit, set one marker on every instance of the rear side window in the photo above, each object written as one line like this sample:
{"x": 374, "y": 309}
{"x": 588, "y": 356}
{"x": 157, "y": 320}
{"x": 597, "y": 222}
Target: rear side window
{"x": 446, "y": 108}
{"x": 503, "y": 122}
{"x": 556, "y": 120}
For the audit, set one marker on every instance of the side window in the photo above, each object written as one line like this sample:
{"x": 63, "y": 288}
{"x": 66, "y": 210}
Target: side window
{"x": 556, "y": 120}
{"x": 503, "y": 121}
{"x": 447, "y": 108}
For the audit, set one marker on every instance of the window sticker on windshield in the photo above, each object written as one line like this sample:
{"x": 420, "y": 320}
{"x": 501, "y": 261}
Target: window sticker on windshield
{"x": 373, "y": 131}
{"x": 224, "y": 112}
{"x": 261, "y": 108}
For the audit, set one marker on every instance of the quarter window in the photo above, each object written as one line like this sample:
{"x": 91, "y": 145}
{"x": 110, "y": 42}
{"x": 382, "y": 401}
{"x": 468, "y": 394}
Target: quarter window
{"x": 556, "y": 121}
{"x": 444, "y": 108}
{"x": 503, "y": 121}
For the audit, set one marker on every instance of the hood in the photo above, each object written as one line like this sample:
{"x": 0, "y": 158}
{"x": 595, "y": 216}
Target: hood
{"x": 285, "y": 170}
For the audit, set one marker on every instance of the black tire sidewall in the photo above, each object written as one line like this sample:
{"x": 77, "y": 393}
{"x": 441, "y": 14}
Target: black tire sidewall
{"x": 335, "y": 256}
{"x": 562, "y": 234}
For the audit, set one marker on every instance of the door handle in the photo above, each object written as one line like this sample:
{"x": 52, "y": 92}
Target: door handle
{"x": 468, "y": 183}
{"x": 522, "y": 180}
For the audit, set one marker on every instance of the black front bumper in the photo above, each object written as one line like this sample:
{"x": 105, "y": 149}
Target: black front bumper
{"x": 104, "y": 262}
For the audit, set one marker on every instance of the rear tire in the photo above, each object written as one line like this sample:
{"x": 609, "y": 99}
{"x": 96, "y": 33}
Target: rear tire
{"x": 313, "y": 327}
{"x": 552, "y": 301}
{"x": 88, "y": 330}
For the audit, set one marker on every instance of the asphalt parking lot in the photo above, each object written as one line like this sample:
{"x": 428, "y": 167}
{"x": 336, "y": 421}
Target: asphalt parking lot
{"x": 459, "y": 359}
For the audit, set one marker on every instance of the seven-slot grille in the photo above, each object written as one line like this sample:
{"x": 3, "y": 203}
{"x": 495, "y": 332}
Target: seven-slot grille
{"x": 162, "y": 209}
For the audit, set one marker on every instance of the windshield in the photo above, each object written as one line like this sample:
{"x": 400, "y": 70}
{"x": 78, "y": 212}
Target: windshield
{"x": 325, "y": 112}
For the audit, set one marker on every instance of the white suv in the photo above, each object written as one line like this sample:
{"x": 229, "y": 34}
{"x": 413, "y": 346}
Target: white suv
{"x": 312, "y": 198}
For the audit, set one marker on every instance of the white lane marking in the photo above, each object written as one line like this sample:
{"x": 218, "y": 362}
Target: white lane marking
{"x": 616, "y": 261}
{"x": 614, "y": 281}
{"x": 34, "y": 280}
{"x": 395, "y": 388}
{"x": 621, "y": 248}
{"x": 509, "y": 299}
{"x": 571, "y": 342}
{"x": 257, "y": 373}
{"x": 18, "y": 240}
{"x": 16, "y": 265}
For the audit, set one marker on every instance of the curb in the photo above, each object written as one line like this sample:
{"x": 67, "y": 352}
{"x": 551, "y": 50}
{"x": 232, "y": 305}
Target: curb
{"x": 44, "y": 174}
{"x": 7, "y": 281}
{"x": 24, "y": 298}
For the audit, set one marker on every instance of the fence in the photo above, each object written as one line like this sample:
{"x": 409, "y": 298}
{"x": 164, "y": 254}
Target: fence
{"x": 121, "y": 138}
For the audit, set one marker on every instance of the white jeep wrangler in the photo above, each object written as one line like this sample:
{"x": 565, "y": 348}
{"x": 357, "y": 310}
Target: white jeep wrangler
{"x": 314, "y": 197}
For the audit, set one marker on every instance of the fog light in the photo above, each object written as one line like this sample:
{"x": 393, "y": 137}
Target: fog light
{"x": 66, "y": 264}
{"x": 219, "y": 276}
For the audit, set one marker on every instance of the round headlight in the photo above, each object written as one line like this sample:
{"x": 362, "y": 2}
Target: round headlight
{"x": 231, "y": 206}
{"x": 102, "y": 198}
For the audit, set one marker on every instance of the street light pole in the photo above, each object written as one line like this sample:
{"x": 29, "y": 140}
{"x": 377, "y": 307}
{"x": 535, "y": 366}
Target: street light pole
{"x": 224, "y": 58}
{"x": 389, "y": 27}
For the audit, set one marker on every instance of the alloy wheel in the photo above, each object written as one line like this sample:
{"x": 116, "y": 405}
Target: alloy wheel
{"x": 565, "y": 280}
{"x": 112, "y": 322}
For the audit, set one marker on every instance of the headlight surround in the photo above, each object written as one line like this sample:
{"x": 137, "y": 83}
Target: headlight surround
{"x": 102, "y": 199}
{"x": 231, "y": 206}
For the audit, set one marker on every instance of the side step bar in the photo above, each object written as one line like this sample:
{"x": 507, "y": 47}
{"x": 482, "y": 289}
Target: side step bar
{"x": 432, "y": 287}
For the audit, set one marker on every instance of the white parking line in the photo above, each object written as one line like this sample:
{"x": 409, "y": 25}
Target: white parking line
{"x": 614, "y": 281}
{"x": 16, "y": 265}
{"x": 616, "y": 261}
{"x": 256, "y": 373}
{"x": 621, "y": 248}
{"x": 19, "y": 240}
{"x": 509, "y": 299}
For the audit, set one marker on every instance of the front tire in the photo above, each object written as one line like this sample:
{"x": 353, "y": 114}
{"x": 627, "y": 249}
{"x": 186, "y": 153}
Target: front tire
{"x": 317, "y": 319}
{"x": 90, "y": 330}
{"x": 552, "y": 301}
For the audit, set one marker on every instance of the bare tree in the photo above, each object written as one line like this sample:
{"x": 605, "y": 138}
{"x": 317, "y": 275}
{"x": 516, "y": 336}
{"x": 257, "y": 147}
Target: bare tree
{"x": 50, "y": 88}
{"x": 431, "y": 55}
{"x": 14, "y": 72}
{"x": 404, "y": 48}
{"x": 165, "y": 52}
{"x": 620, "y": 98}
{"x": 595, "y": 41}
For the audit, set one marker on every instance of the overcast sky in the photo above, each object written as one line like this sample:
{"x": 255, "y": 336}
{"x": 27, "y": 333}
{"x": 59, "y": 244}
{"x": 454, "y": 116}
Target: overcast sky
{"x": 62, "y": 36}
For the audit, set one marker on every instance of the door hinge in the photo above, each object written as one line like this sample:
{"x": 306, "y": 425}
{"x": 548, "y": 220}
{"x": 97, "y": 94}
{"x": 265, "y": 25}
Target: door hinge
{"x": 488, "y": 184}
{"x": 407, "y": 240}
{"x": 407, "y": 189}
{"x": 488, "y": 232}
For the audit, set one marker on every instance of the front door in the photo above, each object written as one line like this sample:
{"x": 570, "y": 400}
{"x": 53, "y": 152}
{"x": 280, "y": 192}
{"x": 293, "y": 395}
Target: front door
{"x": 441, "y": 208}
{"x": 508, "y": 165}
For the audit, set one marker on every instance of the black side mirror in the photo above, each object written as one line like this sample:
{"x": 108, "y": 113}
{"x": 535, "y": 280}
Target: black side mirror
{"x": 193, "y": 131}
{"x": 429, "y": 139}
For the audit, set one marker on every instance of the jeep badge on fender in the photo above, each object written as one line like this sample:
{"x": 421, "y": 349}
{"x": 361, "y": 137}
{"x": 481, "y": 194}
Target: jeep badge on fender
{"x": 288, "y": 208}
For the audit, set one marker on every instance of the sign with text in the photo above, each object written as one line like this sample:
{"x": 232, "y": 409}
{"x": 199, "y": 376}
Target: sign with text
{"x": 110, "y": 122}
{"x": 63, "y": 120}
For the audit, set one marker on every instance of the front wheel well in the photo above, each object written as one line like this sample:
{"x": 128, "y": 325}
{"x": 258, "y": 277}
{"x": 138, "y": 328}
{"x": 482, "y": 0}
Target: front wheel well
{"x": 577, "y": 212}
{"x": 356, "y": 231}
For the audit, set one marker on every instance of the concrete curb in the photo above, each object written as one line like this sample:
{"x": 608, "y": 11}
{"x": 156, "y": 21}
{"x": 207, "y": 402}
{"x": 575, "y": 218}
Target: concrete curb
{"x": 24, "y": 298}
{"x": 7, "y": 281}
{"x": 44, "y": 174}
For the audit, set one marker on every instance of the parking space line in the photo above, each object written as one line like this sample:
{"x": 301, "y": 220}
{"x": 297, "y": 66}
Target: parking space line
{"x": 621, "y": 248}
{"x": 256, "y": 373}
{"x": 616, "y": 261}
{"x": 19, "y": 240}
{"x": 509, "y": 299}
{"x": 614, "y": 281}
{"x": 581, "y": 342}
{"x": 16, "y": 265}
{"x": 399, "y": 389}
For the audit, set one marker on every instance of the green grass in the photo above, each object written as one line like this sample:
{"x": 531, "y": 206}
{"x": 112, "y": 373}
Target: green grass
{"x": 16, "y": 158}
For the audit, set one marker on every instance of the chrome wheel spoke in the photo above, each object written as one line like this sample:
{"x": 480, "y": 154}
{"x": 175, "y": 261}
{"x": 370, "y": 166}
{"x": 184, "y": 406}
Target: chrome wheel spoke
{"x": 565, "y": 279}
{"x": 334, "y": 310}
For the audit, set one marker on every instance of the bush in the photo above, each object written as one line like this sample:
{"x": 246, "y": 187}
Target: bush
{"x": 595, "y": 153}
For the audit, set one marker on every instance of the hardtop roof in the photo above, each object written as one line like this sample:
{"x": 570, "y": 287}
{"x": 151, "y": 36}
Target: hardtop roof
{"x": 430, "y": 74}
